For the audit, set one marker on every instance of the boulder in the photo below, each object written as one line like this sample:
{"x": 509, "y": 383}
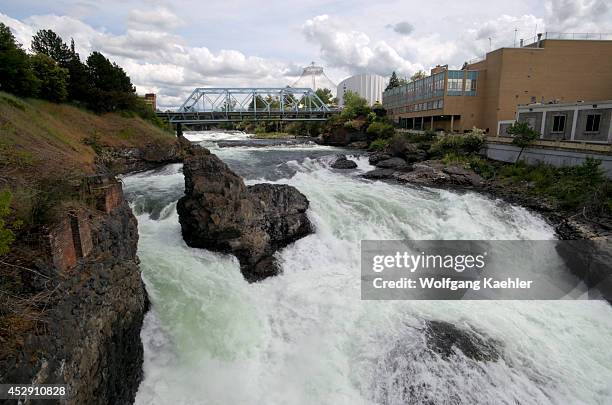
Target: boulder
{"x": 218, "y": 212}
{"x": 393, "y": 163}
{"x": 377, "y": 157}
{"x": 342, "y": 162}
{"x": 436, "y": 173}
{"x": 379, "y": 174}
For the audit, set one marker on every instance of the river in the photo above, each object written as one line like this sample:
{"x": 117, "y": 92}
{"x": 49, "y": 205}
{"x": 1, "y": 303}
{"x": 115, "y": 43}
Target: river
{"x": 306, "y": 337}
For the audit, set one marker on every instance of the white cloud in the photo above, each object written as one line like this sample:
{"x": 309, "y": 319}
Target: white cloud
{"x": 579, "y": 15}
{"x": 218, "y": 46}
{"x": 158, "y": 18}
{"x": 353, "y": 50}
{"x": 159, "y": 61}
{"x": 22, "y": 32}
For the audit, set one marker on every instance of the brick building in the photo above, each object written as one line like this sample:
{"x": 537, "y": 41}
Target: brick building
{"x": 487, "y": 92}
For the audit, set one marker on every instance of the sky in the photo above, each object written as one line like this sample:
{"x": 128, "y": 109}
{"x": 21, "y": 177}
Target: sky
{"x": 170, "y": 47}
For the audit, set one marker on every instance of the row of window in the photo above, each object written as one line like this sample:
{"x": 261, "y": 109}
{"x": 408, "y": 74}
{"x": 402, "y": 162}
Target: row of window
{"x": 422, "y": 89}
{"x": 430, "y": 105}
{"x": 559, "y": 122}
{"x": 459, "y": 83}
{"x": 592, "y": 122}
{"x": 462, "y": 83}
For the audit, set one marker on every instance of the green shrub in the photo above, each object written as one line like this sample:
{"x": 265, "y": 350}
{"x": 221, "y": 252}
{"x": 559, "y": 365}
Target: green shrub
{"x": 380, "y": 129}
{"x": 579, "y": 187}
{"x": 472, "y": 142}
{"x": 378, "y": 144}
{"x": 354, "y": 106}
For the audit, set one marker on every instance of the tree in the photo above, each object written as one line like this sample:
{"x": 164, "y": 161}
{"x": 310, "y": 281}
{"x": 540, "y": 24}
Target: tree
{"x": 354, "y": 105}
{"x": 49, "y": 43}
{"x": 523, "y": 135}
{"x": 108, "y": 76}
{"x": 53, "y": 78}
{"x": 418, "y": 75}
{"x": 325, "y": 95}
{"x": 112, "y": 88}
{"x": 79, "y": 85}
{"x": 393, "y": 82}
{"x": 16, "y": 75}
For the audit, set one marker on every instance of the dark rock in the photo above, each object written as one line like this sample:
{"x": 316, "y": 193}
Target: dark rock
{"x": 342, "y": 162}
{"x": 358, "y": 145}
{"x": 425, "y": 348}
{"x": 379, "y": 174}
{"x": 340, "y": 136}
{"x": 393, "y": 163}
{"x": 377, "y": 157}
{"x": 436, "y": 173}
{"x": 447, "y": 340}
{"x": 219, "y": 212}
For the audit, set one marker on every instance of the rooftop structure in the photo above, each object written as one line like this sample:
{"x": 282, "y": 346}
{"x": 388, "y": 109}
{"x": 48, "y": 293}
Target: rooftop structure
{"x": 315, "y": 78}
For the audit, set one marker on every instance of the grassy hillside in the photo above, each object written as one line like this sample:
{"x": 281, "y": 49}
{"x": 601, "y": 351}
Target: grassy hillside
{"x": 43, "y": 137}
{"x": 47, "y": 148}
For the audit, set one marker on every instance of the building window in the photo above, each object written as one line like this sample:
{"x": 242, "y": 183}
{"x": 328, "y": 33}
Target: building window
{"x": 558, "y": 123}
{"x": 592, "y": 122}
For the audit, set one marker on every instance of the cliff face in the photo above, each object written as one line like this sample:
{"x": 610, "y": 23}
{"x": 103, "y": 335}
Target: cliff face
{"x": 92, "y": 337}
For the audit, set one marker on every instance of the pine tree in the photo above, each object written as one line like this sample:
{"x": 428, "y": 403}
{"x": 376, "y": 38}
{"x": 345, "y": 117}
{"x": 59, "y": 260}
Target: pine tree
{"x": 49, "y": 43}
{"x": 393, "y": 81}
{"x": 16, "y": 74}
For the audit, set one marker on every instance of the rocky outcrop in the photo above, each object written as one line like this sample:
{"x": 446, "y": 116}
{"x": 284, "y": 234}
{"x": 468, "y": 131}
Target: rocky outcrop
{"x": 342, "y": 162}
{"x": 220, "y": 213}
{"x": 392, "y": 163}
{"x": 90, "y": 340}
{"x": 340, "y": 136}
{"x": 129, "y": 160}
{"x": 428, "y": 173}
{"x": 376, "y": 157}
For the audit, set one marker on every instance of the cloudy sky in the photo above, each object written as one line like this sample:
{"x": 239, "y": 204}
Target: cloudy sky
{"x": 170, "y": 47}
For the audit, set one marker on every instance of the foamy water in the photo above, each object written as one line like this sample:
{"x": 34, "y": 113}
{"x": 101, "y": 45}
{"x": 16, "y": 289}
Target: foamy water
{"x": 305, "y": 337}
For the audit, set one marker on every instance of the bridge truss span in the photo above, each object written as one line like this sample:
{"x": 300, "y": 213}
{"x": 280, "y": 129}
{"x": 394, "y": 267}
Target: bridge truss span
{"x": 217, "y": 105}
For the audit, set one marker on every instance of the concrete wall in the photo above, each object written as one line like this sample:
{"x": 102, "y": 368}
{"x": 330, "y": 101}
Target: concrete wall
{"x": 555, "y": 157}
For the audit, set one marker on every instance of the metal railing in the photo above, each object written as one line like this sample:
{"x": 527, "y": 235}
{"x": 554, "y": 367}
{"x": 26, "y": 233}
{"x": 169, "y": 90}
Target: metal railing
{"x": 583, "y": 36}
{"x": 528, "y": 42}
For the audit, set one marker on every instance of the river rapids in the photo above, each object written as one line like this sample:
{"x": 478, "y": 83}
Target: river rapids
{"x": 306, "y": 337}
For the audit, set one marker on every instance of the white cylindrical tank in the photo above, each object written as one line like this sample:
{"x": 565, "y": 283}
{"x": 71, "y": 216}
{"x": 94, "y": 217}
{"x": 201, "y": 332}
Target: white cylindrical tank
{"x": 368, "y": 86}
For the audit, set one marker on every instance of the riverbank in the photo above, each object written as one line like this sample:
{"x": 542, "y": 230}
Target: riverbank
{"x": 72, "y": 299}
{"x": 576, "y": 200}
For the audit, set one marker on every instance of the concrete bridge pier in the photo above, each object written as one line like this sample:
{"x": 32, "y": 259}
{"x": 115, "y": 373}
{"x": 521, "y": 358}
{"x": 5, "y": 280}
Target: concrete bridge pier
{"x": 179, "y": 130}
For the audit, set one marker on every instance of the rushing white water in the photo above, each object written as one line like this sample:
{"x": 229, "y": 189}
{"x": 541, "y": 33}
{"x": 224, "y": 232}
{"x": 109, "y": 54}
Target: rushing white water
{"x": 306, "y": 337}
